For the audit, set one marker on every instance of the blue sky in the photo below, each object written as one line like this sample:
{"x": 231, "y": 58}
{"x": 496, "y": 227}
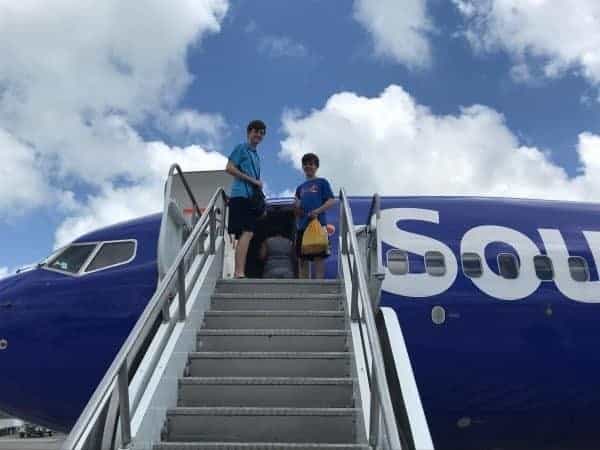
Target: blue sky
{"x": 90, "y": 118}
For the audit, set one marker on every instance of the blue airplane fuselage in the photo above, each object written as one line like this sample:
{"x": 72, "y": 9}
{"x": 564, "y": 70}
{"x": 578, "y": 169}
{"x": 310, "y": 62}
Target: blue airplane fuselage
{"x": 513, "y": 365}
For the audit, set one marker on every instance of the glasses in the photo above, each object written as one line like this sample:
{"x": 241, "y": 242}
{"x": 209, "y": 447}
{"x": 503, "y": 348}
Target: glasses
{"x": 262, "y": 132}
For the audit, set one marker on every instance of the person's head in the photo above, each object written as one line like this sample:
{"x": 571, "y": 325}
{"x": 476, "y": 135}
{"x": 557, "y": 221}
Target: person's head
{"x": 256, "y": 130}
{"x": 310, "y": 165}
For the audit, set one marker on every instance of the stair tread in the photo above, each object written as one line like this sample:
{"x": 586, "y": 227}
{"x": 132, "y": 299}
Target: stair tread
{"x": 265, "y": 381}
{"x": 270, "y": 295}
{"x": 263, "y": 313}
{"x": 293, "y": 282}
{"x": 271, "y": 355}
{"x": 258, "y": 411}
{"x": 255, "y": 446}
{"x": 269, "y": 332}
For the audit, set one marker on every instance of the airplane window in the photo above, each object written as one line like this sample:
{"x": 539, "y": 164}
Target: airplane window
{"x": 72, "y": 258}
{"x": 112, "y": 254}
{"x": 471, "y": 264}
{"x": 508, "y": 265}
{"x": 435, "y": 264}
{"x": 543, "y": 267}
{"x": 579, "y": 268}
{"x": 397, "y": 262}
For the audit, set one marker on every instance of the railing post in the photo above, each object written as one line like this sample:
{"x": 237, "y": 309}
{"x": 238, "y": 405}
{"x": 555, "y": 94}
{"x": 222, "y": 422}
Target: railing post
{"x": 343, "y": 230}
{"x": 124, "y": 412}
{"x": 166, "y": 314}
{"x": 181, "y": 290}
{"x": 374, "y": 416}
{"x": 213, "y": 230}
{"x": 354, "y": 313}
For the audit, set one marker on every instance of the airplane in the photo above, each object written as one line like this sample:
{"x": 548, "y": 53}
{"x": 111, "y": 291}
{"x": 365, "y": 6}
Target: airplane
{"x": 498, "y": 300}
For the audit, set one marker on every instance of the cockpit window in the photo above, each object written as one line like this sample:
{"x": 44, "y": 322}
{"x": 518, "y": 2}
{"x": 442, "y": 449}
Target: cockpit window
{"x": 112, "y": 254}
{"x": 508, "y": 265}
{"x": 72, "y": 258}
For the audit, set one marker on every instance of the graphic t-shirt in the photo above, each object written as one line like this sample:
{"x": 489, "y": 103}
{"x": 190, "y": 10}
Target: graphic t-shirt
{"x": 312, "y": 194}
{"x": 247, "y": 160}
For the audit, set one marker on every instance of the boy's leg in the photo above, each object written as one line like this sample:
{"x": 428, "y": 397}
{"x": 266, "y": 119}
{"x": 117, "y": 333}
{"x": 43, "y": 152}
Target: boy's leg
{"x": 319, "y": 266}
{"x": 302, "y": 268}
{"x": 241, "y": 251}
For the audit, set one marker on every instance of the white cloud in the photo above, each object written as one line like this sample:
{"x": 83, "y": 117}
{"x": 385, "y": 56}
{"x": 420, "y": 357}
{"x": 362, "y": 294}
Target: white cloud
{"x": 399, "y": 29}
{"x": 392, "y": 145}
{"x": 75, "y": 88}
{"x": 191, "y": 124}
{"x": 4, "y": 272}
{"x": 556, "y": 35}
{"x": 23, "y": 187}
{"x": 72, "y": 88}
{"x": 281, "y": 46}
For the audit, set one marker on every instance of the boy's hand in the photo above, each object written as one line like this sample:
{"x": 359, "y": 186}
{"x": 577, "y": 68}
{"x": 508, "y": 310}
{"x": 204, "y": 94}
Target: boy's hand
{"x": 313, "y": 214}
{"x": 258, "y": 184}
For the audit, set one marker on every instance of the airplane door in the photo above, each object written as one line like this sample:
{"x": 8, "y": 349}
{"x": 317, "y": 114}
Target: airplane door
{"x": 178, "y": 211}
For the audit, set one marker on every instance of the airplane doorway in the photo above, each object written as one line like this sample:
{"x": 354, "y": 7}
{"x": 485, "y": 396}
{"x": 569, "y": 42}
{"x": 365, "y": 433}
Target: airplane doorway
{"x": 278, "y": 217}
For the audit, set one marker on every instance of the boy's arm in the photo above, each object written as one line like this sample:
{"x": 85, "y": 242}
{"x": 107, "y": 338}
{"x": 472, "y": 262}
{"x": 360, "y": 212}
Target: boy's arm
{"x": 328, "y": 197}
{"x": 298, "y": 204}
{"x": 324, "y": 207}
{"x": 231, "y": 169}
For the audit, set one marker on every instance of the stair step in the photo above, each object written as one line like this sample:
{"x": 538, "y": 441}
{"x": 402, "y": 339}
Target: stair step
{"x": 255, "y": 446}
{"x": 307, "y": 320}
{"x": 272, "y": 340}
{"x": 276, "y": 302}
{"x": 278, "y": 286}
{"x": 279, "y": 425}
{"x": 277, "y": 364}
{"x": 267, "y": 392}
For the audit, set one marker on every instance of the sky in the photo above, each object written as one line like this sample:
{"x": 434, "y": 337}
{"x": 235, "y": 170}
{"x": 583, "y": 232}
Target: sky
{"x": 400, "y": 97}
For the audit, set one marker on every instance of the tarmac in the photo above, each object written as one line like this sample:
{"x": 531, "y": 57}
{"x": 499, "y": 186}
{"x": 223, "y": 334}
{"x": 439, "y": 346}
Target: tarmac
{"x": 15, "y": 443}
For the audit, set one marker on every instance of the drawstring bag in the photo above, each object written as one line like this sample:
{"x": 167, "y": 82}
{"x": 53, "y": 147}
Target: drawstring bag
{"x": 314, "y": 240}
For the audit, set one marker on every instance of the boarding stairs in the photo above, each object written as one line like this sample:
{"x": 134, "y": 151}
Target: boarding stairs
{"x": 271, "y": 370}
{"x": 216, "y": 363}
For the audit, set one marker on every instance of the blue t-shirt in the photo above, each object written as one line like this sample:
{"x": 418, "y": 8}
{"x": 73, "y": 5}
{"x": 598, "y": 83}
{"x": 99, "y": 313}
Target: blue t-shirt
{"x": 246, "y": 159}
{"x": 312, "y": 194}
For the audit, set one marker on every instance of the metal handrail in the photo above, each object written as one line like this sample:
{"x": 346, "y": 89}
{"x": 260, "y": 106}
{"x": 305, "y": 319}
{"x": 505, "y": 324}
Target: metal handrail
{"x": 114, "y": 386}
{"x": 381, "y": 402}
{"x": 176, "y": 167}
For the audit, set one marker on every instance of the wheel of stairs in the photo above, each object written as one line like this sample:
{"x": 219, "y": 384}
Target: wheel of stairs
{"x": 272, "y": 370}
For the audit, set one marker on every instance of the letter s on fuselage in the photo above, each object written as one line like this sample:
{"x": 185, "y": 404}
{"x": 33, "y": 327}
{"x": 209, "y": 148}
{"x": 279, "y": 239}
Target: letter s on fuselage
{"x": 475, "y": 240}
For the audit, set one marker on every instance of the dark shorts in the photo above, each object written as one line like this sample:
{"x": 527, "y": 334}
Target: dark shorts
{"x": 299, "y": 254}
{"x": 242, "y": 217}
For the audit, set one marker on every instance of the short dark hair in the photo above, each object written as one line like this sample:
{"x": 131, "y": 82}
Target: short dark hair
{"x": 256, "y": 125}
{"x": 310, "y": 158}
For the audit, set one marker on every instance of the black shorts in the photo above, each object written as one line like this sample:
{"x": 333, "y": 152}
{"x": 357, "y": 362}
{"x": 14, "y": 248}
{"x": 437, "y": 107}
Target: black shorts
{"x": 299, "y": 254}
{"x": 242, "y": 217}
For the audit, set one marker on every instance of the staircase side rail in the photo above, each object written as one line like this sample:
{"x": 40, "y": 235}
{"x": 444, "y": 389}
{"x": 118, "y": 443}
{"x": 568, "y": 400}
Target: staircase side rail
{"x": 115, "y": 383}
{"x": 381, "y": 402}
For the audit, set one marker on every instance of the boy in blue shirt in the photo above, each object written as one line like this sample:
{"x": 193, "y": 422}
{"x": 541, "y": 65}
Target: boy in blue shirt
{"x": 244, "y": 165}
{"x": 313, "y": 198}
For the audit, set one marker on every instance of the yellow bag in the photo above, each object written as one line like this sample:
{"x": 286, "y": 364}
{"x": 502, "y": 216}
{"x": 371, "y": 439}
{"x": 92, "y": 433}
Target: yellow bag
{"x": 314, "y": 240}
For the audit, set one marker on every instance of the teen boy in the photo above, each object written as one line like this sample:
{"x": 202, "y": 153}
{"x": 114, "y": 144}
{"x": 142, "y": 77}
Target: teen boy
{"x": 244, "y": 165}
{"x": 313, "y": 198}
